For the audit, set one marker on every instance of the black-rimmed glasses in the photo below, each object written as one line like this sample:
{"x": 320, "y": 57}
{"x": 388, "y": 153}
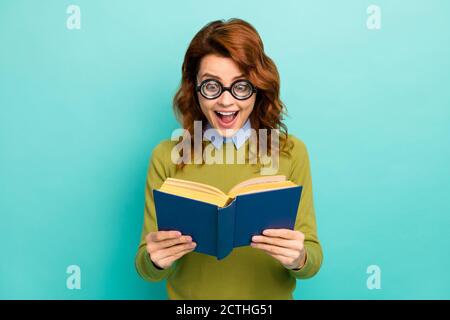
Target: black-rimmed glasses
{"x": 239, "y": 89}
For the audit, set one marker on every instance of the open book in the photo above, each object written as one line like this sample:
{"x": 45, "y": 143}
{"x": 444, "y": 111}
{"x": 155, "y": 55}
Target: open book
{"x": 218, "y": 221}
{"x": 210, "y": 194}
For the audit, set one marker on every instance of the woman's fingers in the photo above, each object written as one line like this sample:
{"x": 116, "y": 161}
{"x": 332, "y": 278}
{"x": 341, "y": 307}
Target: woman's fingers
{"x": 292, "y": 244}
{"x": 164, "y": 239}
{"x": 285, "y": 234}
{"x": 170, "y": 259}
{"x": 164, "y": 247}
{"x": 174, "y": 250}
{"x": 162, "y": 235}
{"x": 275, "y": 250}
{"x": 170, "y": 242}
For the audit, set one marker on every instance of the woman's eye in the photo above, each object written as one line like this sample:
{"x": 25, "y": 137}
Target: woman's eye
{"x": 242, "y": 87}
{"x": 212, "y": 87}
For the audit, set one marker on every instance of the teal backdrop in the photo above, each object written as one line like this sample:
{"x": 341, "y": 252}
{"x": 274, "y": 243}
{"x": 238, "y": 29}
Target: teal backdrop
{"x": 82, "y": 109}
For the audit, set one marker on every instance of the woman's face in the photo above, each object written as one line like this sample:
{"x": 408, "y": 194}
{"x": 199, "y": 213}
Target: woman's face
{"x": 226, "y": 71}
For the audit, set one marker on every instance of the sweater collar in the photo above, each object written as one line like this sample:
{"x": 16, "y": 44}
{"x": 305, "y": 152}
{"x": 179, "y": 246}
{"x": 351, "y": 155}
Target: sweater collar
{"x": 238, "y": 138}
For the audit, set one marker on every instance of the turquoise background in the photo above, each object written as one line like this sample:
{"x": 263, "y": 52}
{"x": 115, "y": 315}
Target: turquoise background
{"x": 81, "y": 110}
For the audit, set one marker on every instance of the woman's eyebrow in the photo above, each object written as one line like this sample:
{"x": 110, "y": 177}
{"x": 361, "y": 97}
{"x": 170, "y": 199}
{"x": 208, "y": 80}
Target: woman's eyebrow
{"x": 217, "y": 77}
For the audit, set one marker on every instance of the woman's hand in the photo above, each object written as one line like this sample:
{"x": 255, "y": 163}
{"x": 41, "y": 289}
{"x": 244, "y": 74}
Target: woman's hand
{"x": 287, "y": 246}
{"x": 165, "y": 247}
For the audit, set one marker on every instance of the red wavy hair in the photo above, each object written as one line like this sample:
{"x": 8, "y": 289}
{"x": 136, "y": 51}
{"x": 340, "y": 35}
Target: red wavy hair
{"x": 238, "y": 40}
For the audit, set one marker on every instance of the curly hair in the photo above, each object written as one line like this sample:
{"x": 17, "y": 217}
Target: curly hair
{"x": 238, "y": 40}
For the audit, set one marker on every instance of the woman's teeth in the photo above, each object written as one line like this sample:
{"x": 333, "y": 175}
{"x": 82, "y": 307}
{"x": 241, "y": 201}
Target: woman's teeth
{"x": 226, "y": 117}
{"x": 227, "y": 113}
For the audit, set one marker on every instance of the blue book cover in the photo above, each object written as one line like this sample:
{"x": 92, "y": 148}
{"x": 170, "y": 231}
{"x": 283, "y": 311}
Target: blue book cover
{"x": 218, "y": 230}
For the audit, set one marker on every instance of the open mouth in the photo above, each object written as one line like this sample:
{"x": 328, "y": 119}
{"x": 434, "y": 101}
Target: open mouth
{"x": 226, "y": 119}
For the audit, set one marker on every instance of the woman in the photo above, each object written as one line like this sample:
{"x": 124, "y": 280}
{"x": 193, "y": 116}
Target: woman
{"x": 230, "y": 86}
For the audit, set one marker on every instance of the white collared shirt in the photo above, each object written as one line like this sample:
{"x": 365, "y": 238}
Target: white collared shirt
{"x": 238, "y": 138}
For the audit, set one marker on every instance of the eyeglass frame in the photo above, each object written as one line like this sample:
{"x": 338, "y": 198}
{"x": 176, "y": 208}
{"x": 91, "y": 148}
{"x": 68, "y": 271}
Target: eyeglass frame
{"x": 223, "y": 88}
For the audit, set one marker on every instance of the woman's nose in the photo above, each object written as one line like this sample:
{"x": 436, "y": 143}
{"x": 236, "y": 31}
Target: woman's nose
{"x": 226, "y": 98}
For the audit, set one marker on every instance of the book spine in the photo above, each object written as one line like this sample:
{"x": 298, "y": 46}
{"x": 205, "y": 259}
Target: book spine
{"x": 225, "y": 229}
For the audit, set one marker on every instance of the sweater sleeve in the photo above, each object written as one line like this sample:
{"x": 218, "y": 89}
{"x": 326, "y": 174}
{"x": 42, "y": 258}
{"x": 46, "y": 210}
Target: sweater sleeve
{"x": 156, "y": 174}
{"x": 306, "y": 219}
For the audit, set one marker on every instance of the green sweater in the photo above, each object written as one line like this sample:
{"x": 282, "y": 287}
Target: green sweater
{"x": 247, "y": 273}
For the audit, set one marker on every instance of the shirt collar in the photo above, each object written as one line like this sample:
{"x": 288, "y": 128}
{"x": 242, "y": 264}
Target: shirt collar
{"x": 238, "y": 138}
